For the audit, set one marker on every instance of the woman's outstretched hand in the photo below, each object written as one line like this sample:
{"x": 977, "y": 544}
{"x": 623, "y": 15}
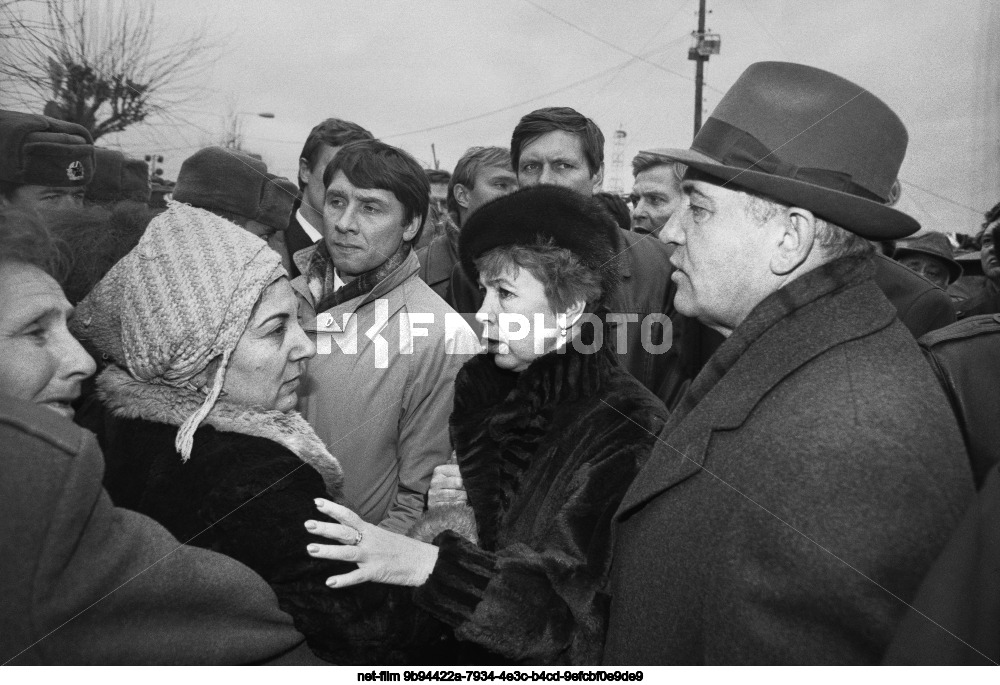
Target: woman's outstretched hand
{"x": 381, "y": 556}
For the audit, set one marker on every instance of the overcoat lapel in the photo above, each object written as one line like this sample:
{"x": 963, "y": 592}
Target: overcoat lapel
{"x": 756, "y": 358}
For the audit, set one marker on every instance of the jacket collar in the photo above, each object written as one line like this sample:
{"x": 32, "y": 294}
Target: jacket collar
{"x": 128, "y": 398}
{"x": 409, "y": 268}
{"x": 829, "y": 306}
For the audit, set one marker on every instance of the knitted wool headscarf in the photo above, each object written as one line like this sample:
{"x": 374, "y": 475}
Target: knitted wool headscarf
{"x": 181, "y": 299}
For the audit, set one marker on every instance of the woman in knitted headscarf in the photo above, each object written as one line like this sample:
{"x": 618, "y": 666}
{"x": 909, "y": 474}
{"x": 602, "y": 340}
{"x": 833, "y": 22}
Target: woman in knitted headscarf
{"x": 548, "y": 431}
{"x": 198, "y": 327}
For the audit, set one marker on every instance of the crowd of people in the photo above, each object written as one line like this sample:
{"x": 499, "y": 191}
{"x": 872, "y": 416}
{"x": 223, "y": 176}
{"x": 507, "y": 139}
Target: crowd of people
{"x": 393, "y": 415}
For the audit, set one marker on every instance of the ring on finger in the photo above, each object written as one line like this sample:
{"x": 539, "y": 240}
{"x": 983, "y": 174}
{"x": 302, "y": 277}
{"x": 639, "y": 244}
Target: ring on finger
{"x": 359, "y": 538}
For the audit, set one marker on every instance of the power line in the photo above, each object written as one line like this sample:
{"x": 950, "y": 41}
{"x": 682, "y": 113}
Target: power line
{"x": 592, "y": 77}
{"x": 616, "y": 47}
{"x": 980, "y": 212}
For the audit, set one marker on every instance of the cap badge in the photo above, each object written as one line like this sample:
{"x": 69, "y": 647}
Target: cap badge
{"x": 75, "y": 171}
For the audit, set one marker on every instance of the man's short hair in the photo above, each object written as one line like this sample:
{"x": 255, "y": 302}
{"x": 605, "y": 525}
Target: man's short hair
{"x": 549, "y": 119}
{"x": 332, "y": 132}
{"x": 470, "y": 164}
{"x": 374, "y": 164}
{"x": 836, "y": 242}
{"x": 644, "y": 161}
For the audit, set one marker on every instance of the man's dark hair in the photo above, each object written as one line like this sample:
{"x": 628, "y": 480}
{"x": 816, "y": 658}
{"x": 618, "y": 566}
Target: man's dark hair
{"x": 332, "y": 132}
{"x": 470, "y": 164}
{"x": 549, "y": 119}
{"x": 374, "y": 164}
{"x": 437, "y": 175}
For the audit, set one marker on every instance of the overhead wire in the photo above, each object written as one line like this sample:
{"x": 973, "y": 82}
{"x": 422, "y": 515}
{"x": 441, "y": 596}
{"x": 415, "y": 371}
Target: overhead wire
{"x": 616, "y": 47}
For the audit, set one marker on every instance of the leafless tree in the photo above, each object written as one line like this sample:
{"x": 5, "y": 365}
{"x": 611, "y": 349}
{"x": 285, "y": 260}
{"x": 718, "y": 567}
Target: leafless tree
{"x": 99, "y": 64}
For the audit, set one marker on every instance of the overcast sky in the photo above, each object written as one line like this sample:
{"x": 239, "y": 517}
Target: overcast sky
{"x": 457, "y": 73}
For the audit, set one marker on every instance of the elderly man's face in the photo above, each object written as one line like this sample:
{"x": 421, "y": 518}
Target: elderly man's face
{"x": 721, "y": 263}
{"x": 930, "y": 267}
{"x": 557, "y": 158}
{"x": 656, "y": 195}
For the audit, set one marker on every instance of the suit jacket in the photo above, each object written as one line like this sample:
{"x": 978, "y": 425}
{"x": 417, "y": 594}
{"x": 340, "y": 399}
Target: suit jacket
{"x": 436, "y": 263}
{"x": 83, "y": 582}
{"x": 799, "y": 491}
{"x": 296, "y": 239}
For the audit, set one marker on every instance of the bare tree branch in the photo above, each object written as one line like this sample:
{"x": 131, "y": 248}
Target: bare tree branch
{"x": 98, "y": 64}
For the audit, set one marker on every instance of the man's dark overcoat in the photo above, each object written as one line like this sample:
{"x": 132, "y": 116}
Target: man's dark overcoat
{"x": 798, "y": 493}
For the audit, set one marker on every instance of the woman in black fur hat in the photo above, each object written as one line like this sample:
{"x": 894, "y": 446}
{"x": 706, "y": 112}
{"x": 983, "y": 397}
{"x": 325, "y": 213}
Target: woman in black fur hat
{"x": 548, "y": 432}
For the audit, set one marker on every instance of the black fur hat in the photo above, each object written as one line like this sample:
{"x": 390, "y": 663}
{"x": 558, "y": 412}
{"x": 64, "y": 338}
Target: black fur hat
{"x": 580, "y": 224}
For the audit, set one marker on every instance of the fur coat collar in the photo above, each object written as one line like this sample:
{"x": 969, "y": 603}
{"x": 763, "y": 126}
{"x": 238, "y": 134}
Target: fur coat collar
{"x": 128, "y": 398}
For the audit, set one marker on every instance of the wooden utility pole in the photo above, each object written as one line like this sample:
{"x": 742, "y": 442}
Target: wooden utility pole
{"x": 699, "y": 69}
{"x": 705, "y": 45}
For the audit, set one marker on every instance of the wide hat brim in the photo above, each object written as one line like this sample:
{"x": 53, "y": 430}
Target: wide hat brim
{"x": 867, "y": 218}
{"x": 811, "y": 139}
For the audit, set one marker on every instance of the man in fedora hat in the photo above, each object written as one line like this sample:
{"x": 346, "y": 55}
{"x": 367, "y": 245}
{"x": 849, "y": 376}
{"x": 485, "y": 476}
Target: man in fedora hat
{"x": 813, "y": 470}
{"x": 931, "y": 256}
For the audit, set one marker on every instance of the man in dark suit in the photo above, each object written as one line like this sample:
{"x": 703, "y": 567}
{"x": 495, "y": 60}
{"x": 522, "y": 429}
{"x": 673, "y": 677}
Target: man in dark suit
{"x": 812, "y": 472}
{"x": 306, "y": 225}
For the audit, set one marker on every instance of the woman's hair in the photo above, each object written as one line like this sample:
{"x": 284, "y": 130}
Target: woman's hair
{"x": 565, "y": 278}
{"x": 25, "y": 240}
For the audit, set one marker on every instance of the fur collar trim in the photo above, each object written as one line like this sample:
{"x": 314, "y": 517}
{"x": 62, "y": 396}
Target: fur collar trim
{"x": 128, "y": 398}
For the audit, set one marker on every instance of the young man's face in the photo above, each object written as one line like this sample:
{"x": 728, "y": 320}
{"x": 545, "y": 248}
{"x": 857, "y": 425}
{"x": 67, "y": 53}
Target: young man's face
{"x": 312, "y": 177}
{"x": 45, "y": 197}
{"x": 656, "y": 195}
{"x": 489, "y": 184}
{"x": 988, "y": 256}
{"x": 557, "y": 158}
{"x": 363, "y": 227}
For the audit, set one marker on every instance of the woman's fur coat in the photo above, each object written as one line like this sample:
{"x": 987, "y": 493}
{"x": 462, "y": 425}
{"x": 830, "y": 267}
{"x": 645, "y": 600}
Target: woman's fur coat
{"x": 545, "y": 457}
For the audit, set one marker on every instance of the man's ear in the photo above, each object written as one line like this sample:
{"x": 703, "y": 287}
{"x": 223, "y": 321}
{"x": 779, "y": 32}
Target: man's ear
{"x": 461, "y": 194}
{"x": 598, "y": 180}
{"x": 304, "y": 171}
{"x": 410, "y": 229}
{"x": 795, "y": 238}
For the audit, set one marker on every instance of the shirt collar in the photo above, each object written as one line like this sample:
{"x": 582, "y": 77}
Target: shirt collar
{"x": 313, "y": 234}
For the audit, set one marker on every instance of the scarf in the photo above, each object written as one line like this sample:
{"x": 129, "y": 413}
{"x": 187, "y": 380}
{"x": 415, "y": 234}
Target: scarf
{"x": 320, "y": 278}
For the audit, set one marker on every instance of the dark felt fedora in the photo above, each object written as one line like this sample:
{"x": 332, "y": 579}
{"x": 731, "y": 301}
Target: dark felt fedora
{"x": 935, "y": 245}
{"x": 811, "y": 139}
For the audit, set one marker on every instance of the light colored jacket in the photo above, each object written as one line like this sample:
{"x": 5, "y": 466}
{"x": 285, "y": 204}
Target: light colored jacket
{"x": 380, "y": 390}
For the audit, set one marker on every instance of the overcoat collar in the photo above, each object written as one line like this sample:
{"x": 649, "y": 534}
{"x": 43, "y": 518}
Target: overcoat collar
{"x": 829, "y": 306}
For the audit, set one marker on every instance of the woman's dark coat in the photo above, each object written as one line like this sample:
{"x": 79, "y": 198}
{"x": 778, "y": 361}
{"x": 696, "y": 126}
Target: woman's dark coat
{"x": 246, "y": 492}
{"x": 545, "y": 457}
